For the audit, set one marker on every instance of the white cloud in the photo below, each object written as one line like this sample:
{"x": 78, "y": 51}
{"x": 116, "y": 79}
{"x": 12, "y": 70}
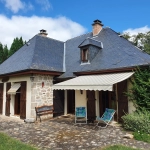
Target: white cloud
{"x": 16, "y": 5}
{"x": 137, "y": 30}
{"x": 45, "y": 4}
{"x": 60, "y": 28}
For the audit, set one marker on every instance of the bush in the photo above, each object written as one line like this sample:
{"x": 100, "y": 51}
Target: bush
{"x": 139, "y": 93}
{"x": 137, "y": 121}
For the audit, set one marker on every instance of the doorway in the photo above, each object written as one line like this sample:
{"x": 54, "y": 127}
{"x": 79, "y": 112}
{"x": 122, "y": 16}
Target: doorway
{"x": 71, "y": 101}
{"x": 107, "y": 99}
{"x": 91, "y": 109}
{"x": 58, "y": 102}
{"x": 17, "y": 103}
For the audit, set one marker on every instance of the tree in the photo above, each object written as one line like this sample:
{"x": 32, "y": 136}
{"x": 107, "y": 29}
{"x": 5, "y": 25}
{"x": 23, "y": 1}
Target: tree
{"x": 139, "y": 93}
{"x": 17, "y": 44}
{"x": 146, "y": 42}
{"x": 5, "y": 50}
{"x": 141, "y": 40}
{"x": 127, "y": 35}
{"x": 1, "y": 53}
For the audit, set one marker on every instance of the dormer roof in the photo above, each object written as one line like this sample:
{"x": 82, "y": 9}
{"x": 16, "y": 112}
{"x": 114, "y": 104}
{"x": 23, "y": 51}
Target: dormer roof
{"x": 90, "y": 41}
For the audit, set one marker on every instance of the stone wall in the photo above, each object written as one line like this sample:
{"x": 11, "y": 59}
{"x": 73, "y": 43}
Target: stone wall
{"x": 41, "y": 92}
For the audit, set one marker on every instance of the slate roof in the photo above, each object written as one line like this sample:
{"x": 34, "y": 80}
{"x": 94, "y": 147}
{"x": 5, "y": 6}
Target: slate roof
{"x": 41, "y": 53}
{"x": 47, "y": 54}
{"x": 116, "y": 53}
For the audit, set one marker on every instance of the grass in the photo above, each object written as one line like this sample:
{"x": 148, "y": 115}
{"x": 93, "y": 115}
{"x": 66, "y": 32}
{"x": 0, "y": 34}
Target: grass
{"x": 142, "y": 137}
{"x": 119, "y": 147}
{"x": 8, "y": 143}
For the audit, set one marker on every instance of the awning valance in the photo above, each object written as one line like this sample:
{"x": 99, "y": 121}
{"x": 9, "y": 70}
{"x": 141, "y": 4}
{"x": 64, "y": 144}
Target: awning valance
{"x": 93, "y": 82}
{"x": 14, "y": 88}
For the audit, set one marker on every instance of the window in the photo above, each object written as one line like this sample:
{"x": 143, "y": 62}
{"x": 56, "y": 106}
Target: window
{"x": 84, "y": 55}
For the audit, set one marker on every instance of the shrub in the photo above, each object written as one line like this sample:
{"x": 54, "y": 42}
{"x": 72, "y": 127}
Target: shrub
{"x": 139, "y": 93}
{"x": 137, "y": 121}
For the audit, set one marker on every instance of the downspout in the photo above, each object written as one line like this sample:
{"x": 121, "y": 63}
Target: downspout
{"x": 64, "y": 58}
{"x": 65, "y": 91}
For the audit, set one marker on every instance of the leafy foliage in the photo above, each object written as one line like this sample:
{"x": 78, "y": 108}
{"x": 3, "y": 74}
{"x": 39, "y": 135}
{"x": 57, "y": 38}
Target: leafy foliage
{"x": 137, "y": 121}
{"x": 140, "y": 40}
{"x": 139, "y": 93}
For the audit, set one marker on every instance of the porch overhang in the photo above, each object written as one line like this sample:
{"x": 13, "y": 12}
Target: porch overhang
{"x": 14, "y": 88}
{"x": 93, "y": 82}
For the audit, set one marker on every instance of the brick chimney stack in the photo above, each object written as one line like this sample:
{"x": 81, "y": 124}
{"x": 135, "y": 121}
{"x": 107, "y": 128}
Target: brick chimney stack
{"x": 97, "y": 27}
{"x": 43, "y": 32}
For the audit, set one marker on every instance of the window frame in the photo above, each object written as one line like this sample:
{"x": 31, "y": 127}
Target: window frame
{"x": 84, "y": 55}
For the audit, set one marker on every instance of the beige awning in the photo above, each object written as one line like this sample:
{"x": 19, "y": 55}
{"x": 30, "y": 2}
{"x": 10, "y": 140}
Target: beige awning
{"x": 14, "y": 88}
{"x": 93, "y": 82}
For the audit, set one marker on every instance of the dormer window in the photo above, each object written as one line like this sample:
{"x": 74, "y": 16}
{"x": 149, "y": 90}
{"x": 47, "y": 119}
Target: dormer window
{"x": 89, "y": 48}
{"x": 84, "y": 55}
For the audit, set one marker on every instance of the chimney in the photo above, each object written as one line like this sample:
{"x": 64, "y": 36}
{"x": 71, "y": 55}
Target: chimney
{"x": 43, "y": 32}
{"x": 97, "y": 27}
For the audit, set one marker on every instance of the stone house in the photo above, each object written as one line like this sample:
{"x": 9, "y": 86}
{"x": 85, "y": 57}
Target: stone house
{"x": 91, "y": 70}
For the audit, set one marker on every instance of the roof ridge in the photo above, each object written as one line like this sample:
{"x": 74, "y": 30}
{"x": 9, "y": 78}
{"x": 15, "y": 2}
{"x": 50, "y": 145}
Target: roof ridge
{"x": 78, "y": 36}
{"x": 50, "y": 38}
{"x": 33, "y": 50}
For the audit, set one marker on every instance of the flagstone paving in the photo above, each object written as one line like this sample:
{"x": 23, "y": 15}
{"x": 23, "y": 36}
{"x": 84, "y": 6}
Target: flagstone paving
{"x": 62, "y": 134}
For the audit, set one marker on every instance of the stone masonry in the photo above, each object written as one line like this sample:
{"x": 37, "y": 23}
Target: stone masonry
{"x": 41, "y": 92}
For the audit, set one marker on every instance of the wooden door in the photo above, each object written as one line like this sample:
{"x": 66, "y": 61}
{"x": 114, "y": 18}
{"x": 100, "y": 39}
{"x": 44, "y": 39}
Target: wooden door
{"x": 17, "y": 104}
{"x": 91, "y": 110}
{"x": 122, "y": 99}
{"x": 7, "y": 111}
{"x": 71, "y": 101}
{"x": 23, "y": 100}
{"x": 58, "y": 102}
{"x": 1, "y": 98}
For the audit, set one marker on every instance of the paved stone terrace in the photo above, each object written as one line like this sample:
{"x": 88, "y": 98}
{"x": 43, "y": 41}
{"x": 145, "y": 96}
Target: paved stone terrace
{"x": 62, "y": 134}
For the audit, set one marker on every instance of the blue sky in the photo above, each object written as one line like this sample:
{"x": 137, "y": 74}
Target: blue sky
{"x": 64, "y": 19}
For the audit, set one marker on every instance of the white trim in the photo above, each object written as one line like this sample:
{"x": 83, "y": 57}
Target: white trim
{"x": 64, "y": 58}
{"x": 85, "y": 63}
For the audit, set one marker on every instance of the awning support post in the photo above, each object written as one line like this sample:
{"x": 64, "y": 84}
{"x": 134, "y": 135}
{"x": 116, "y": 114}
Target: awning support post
{"x": 65, "y": 105}
{"x": 116, "y": 100}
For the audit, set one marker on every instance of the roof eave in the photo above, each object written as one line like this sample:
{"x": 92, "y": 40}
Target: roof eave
{"x": 115, "y": 70}
{"x": 31, "y": 71}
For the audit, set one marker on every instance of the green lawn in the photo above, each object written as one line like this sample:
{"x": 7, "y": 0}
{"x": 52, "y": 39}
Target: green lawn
{"x": 8, "y": 143}
{"x": 142, "y": 137}
{"x": 119, "y": 147}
